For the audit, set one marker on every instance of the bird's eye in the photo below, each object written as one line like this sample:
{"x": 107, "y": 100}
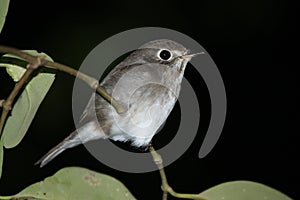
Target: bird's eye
{"x": 164, "y": 54}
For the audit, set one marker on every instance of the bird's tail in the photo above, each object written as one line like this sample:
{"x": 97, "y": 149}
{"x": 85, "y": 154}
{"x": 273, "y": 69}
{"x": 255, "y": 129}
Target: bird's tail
{"x": 69, "y": 142}
{"x": 84, "y": 134}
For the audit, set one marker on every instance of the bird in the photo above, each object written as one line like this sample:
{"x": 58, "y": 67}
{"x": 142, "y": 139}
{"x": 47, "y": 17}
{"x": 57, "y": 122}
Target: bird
{"x": 147, "y": 84}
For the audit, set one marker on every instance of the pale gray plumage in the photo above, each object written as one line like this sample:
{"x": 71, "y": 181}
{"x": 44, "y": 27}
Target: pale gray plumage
{"x": 146, "y": 85}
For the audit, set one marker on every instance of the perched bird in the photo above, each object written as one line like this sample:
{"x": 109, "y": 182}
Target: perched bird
{"x": 146, "y": 84}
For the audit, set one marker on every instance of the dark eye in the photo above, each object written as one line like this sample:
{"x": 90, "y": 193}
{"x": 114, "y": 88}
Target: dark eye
{"x": 165, "y": 54}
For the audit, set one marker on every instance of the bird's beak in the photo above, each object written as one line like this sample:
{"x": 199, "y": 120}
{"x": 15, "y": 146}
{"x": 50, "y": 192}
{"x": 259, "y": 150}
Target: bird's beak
{"x": 189, "y": 56}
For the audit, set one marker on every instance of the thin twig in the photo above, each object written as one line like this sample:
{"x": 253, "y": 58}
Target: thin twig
{"x": 165, "y": 186}
{"x": 92, "y": 82}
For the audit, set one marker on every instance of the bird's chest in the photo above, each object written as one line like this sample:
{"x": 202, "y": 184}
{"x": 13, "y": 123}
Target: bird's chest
{"x": 148, "y": 96}
{"x": 148, "y": 108}
{"x": 150, "y": 105}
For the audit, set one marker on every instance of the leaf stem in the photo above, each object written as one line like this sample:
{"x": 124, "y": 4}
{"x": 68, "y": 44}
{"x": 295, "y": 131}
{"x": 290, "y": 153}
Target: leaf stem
{"x": 165, "y": 186}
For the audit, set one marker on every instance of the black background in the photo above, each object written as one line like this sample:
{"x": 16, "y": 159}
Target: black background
{"x": 253, "y": 45}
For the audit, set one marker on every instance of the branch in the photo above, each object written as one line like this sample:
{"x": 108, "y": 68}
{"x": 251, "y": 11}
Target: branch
{"x": 92, "y": 82}
{"x": 165, "y": 186}
{"x": 37, "y": 61}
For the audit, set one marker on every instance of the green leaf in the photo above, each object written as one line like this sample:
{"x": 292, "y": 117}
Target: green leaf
{"x": 3, "y": 11}
{"x": 27, "y": 104}
{"x": 76, "y": 183}
{"x": 243, "y": 190}
{"x": 14, "y": 71}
